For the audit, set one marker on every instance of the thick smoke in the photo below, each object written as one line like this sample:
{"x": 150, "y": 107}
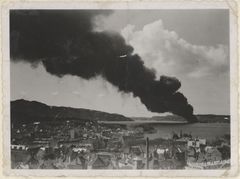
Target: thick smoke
{"x": 66, "y": 43}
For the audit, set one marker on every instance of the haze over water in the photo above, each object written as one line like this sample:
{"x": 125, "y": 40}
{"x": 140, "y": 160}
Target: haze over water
{"x": 202, "y": 130}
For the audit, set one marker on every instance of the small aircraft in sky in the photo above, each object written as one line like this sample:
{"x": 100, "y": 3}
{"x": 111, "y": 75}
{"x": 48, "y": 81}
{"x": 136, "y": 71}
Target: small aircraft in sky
{"x": 123, "y": 56}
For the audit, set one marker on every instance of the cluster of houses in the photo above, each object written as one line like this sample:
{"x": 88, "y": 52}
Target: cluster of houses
{"x": 93, "y": 146}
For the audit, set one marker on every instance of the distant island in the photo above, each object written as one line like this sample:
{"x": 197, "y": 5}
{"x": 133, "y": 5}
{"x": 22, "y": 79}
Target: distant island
{"x": 23, "y": 111}
{"x": 202, "y": 118}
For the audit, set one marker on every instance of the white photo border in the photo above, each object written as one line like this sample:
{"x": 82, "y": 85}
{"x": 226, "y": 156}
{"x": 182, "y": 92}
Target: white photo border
{"x": 119, "y": 5}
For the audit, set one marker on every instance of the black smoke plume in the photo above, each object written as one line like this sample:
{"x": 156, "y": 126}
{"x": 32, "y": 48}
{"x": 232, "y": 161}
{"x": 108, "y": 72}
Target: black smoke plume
{"x": 65, "y": 42}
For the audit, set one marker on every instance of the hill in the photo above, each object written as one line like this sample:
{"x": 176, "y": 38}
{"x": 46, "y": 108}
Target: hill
{"x": 202, "y": 118}
{"x": 211, "y": 118}
{"x": 23, "y": 111}
{"x": 170, "y": 118}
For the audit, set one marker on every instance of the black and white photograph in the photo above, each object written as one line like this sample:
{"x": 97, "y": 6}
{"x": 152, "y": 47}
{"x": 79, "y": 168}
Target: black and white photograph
{"x": 120, "y": 89}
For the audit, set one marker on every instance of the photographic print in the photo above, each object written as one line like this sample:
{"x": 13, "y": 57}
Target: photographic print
{"x": 113, "y": 89}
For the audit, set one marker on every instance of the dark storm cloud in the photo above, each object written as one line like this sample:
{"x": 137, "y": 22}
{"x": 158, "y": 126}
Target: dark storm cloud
{"x": 65, "y": 42}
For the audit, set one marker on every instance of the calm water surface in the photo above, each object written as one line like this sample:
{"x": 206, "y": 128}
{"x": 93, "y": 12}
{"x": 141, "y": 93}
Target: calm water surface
{"x": 165, "y": 130}
{"x": 201, "y": 130}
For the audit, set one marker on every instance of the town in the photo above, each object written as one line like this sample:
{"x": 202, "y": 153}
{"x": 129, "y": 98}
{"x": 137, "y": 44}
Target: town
{"x": 74, "y": 144}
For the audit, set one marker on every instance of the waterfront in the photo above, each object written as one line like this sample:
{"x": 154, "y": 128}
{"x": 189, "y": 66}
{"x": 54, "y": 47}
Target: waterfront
{"x": 92, "y": 145}
{"x": 164, "y": 130}
{"x": 204, "y": 130}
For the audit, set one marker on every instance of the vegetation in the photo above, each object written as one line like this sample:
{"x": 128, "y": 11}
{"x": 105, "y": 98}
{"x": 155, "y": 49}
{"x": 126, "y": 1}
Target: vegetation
{"x": 23, "y": 111}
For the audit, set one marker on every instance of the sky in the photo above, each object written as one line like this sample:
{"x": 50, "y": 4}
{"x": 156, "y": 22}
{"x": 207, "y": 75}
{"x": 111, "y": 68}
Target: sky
{"x": 192, "y": 45}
